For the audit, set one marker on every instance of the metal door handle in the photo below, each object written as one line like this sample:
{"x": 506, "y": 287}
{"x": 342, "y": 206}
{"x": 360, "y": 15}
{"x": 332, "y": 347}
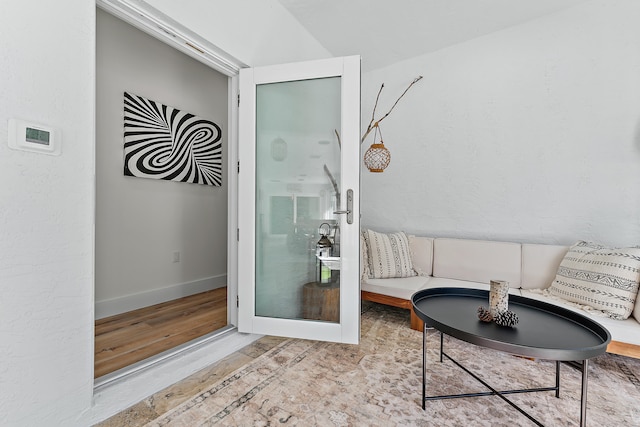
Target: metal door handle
{"x": 349, "y": 210}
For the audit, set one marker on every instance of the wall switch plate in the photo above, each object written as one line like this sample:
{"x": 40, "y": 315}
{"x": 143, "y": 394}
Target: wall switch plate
{"x": 176, "y": 256}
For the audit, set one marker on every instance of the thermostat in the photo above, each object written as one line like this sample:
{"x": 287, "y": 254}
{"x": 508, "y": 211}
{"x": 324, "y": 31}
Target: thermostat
{"x": 34, "y": 137}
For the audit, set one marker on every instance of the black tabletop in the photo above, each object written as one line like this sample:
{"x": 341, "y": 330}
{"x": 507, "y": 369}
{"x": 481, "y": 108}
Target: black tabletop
{"x": 544, "y": 330}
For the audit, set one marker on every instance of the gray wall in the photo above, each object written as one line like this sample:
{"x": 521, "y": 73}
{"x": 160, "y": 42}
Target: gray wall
{"x": 140, "y": 223}
{"x": 527, "y": 134}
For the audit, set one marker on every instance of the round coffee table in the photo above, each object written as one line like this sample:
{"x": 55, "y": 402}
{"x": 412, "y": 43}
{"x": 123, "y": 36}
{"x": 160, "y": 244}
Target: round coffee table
{"x": 544, "y": 331}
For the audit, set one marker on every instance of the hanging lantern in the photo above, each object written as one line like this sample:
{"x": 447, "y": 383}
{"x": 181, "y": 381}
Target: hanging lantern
{"x": 377, "y": 157}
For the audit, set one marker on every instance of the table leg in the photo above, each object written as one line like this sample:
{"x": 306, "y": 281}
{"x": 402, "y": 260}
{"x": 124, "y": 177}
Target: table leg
{"x": 583, "y": 397}
{"x": 441, "y": 345}
{"x": 557, "y": 378}
{"x": 424, "y": 367}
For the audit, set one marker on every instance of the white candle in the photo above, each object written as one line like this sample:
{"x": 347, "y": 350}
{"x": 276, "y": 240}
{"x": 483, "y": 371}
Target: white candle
{"x": 498, "y": 297}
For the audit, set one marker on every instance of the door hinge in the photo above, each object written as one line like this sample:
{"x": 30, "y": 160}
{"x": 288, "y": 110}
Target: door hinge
{"x": 238, "y": 166}
{"x": 237, "y": 301}
{"x": 238, "y": 100}
{"x": 238, "y": 234}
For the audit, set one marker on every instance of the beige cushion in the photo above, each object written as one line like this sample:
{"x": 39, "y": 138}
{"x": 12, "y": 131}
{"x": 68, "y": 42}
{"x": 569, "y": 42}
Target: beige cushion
{"x": 421, "y": 254}
{"x": 439, "y": 282}
{"x": 389, "y": 255}
{"x": 402, "y": 288}
{"x": 603, "y": 278}
{"x": 477, "y": 260}
{"x": 540, "y": 264}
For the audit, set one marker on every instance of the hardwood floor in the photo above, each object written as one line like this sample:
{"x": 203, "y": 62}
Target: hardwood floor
{"x": 127, "y": 338}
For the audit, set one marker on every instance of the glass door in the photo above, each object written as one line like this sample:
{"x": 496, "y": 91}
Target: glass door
{"x": 299, "y": 200}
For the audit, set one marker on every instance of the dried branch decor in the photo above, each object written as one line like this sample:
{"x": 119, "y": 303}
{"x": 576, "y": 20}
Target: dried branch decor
{"x": 377, "y": 157}
{"x": 375, "y": 123}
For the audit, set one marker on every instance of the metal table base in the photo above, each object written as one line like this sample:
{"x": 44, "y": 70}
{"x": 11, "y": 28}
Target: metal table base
{"x": 500, "y": 393}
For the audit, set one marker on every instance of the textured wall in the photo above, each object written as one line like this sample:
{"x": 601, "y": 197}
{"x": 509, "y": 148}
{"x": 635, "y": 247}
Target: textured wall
{"x": 141, "y": 222}
{"x": 47, "y": 65}
{"x": 255, "y": 32}
{"x": 529, "y": 134}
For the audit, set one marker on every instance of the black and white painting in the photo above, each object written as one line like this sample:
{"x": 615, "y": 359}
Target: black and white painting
{"x": 162, "y": 142}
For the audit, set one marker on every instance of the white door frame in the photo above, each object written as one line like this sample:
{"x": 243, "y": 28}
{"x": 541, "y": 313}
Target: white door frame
{"x": 116, "y": 393}
{"x": 167, "y": 30}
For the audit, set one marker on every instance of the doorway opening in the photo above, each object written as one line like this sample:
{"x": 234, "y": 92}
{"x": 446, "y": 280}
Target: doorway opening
{"x": 162, "y": 267}
{"x": 129, "y": 338}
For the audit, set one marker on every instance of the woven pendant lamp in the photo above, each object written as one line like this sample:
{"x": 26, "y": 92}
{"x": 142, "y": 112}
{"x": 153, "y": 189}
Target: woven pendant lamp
{"x": 377, "y": 157}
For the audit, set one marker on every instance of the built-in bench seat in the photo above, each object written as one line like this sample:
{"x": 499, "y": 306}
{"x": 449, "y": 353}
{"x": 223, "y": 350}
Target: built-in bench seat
{"x": 529, "y": 269}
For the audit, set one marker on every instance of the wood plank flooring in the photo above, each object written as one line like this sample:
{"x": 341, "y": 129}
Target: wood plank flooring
{"x": 127, "y": 338}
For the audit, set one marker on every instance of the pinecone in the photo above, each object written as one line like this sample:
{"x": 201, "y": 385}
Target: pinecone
{"x": 484, "y": 314}
{"x": 508, "y": 318}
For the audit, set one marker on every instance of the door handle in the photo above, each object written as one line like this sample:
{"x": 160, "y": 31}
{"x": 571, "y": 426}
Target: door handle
{"x": 349, "y": 210}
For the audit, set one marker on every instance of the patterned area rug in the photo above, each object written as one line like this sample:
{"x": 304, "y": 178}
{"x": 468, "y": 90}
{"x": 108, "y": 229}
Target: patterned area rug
{"x": 378, "y": 383}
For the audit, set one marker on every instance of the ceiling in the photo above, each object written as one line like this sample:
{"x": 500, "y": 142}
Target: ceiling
{"x": 384, "y": 32}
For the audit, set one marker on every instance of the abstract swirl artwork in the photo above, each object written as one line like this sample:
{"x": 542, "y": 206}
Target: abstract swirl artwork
{"x": 162, "y": 142}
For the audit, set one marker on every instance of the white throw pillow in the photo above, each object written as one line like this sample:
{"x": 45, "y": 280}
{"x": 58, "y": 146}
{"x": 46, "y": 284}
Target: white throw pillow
{"x": 421, "y": 254}
{"x": 600, "y": 277}
{"x": 388, "y": 254}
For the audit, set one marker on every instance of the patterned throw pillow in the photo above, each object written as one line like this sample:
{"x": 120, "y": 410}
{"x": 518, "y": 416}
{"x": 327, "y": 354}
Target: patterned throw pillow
{"x": 388, "y": 254}
{"x": 603, "y": 278}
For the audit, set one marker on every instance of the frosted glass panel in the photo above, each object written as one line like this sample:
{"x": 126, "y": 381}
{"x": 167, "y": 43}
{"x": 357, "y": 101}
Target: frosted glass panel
{"x": 297, "y": 191}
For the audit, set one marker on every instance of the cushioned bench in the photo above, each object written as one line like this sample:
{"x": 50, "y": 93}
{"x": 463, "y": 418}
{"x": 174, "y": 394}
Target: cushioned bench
{"x": 530, "y": 270}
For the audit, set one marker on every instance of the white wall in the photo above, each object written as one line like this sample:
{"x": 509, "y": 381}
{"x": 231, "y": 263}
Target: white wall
{"x": 141, "y": 222}
{"x": 47, "y": 65}
{"x": 529, "y": 134}
{"x": 256, "y": 32}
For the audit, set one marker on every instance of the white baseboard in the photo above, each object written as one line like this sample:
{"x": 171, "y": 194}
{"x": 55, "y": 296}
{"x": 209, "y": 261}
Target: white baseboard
{"x": 115, "y": 306}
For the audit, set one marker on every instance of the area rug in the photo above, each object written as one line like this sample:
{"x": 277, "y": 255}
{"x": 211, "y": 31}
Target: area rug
{"x": 378, "y": 383}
